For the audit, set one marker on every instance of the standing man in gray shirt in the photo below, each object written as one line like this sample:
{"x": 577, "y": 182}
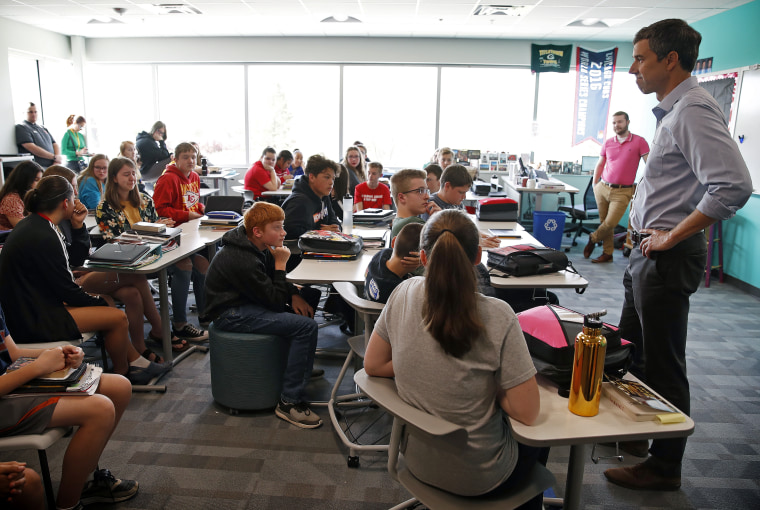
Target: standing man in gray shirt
{"x": 36, "y": 139}
{"x": 694, "y": 176}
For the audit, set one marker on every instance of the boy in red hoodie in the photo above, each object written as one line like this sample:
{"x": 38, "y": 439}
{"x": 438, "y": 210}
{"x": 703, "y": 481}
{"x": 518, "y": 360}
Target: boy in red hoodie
{"x": 177, "y": 195}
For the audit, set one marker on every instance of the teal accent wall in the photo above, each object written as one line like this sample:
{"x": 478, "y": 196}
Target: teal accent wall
{"x": 733, "y": 40}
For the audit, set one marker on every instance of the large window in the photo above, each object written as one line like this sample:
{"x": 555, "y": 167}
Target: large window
{"x": 119, "y": 105}
{"x": 485, "y": 109}
{"x": 391, "y": 109}
{"x": 555, "y": 115}
{"x": 25, "y": 86}
{"x": 203, "y": 104}
{"x": 294, "y": 107}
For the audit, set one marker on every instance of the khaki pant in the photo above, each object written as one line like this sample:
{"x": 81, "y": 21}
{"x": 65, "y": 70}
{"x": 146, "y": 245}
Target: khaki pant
{"x": 612, "y": 203}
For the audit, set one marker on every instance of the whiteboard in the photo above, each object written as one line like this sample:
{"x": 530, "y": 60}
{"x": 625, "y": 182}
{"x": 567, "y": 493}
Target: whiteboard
{"x": 747, "y": 125}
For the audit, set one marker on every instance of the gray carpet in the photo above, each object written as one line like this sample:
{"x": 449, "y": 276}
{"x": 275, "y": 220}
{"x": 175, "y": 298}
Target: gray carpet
{"x": 188, "y": 453}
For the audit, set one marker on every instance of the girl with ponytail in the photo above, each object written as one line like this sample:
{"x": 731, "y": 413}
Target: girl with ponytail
{"x": 459, "y": 355}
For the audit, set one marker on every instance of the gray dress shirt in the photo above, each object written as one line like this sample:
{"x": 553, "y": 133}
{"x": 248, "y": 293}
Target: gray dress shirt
{"x": 693, "y": 163}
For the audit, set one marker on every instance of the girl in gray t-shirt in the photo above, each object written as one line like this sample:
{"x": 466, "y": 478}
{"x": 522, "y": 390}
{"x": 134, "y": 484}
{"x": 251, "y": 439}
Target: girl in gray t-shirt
{"x": 458, "y": 355}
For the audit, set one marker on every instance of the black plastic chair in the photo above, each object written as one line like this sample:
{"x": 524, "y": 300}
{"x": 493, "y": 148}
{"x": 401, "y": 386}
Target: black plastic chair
{"x": 585, "y": 211}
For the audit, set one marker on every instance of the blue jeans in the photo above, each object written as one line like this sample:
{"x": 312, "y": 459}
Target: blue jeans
{"x": 180, "y": 285}
{"x": 301, "y": 332}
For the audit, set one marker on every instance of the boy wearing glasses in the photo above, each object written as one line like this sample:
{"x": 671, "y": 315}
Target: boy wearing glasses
{"x": 412, "y": 198}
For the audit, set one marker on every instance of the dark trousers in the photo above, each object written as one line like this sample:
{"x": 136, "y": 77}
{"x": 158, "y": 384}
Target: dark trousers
{"x": 654, "y": 317}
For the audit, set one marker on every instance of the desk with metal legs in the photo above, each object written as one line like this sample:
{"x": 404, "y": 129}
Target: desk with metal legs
{"x": 193, "y": 240}
{"x": 556, "y": 425}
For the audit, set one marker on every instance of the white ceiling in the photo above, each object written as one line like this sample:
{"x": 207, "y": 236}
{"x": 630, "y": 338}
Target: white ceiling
{"x": 544, "y": 19}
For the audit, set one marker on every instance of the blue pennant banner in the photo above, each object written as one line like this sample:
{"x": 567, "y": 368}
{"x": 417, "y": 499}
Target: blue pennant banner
{"x": 593, "y": 90}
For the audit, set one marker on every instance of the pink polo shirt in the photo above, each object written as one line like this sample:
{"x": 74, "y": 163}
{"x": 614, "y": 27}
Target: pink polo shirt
{"x": 623, "y": 158}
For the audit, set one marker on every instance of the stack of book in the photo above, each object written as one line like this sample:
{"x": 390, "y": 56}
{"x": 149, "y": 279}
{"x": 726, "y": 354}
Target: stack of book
{"x": 221, "y": 223}
{"x": 125, "y": 256}
{"x": 374, "y": 217}
{"x": 82, "y": 380}
{"x": 639, "y": 402}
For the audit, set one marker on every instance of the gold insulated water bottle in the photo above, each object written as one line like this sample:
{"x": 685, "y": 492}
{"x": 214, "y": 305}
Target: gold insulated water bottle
{"x": 588, "y": 368}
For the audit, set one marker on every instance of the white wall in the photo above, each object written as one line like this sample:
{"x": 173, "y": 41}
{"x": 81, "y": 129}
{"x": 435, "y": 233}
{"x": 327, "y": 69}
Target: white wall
{"x": 25, "y": 38}
{"x": 325, "y": 50}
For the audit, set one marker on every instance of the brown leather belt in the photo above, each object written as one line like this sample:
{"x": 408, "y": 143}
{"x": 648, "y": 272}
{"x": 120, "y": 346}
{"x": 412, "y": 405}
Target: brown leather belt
{"x": 617, "y": 186}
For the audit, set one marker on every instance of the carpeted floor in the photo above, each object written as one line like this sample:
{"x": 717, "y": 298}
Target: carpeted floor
{"x": 189, "y": 453}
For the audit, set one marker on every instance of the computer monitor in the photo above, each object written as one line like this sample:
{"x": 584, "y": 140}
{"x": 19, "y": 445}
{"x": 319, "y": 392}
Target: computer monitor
{"x": 588, "y": 164}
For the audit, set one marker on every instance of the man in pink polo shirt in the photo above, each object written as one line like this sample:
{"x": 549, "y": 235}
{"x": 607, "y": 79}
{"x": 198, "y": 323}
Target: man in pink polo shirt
{"x": 613, "y": 183}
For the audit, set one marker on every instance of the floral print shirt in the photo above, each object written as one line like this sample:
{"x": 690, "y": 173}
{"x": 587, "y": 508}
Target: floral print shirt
{"x": 112, "y": 223}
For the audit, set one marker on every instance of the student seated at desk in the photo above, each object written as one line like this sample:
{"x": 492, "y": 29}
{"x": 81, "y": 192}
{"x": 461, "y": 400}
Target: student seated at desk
{"x": 454, "y": 184}
{"x": 393, "y": 265}
{"x": 309, "y": 207}
{"x": 262, "y": 176}
{"x": 433, "y": 180}
{"x": 38, "y": 291}
{"x": 339, "y": 190}
{"x": 95, "y": 417}
{"x": 177, "y": 195}
{"x": 131, "y": 289}
{"x": 122, "y": 206}
{"x": 92, "y": 182}
{"x": 412, "y": 198}
{"x": 24, "y": 177}
{"x": 465, "y": 361}
{"x": 248, "y": 293}
{"x": 372, "y": 194}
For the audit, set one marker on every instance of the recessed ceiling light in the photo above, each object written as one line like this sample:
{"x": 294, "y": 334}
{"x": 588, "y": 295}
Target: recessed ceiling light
{"x": 502, "y": 10}
{"x": 341, "y": 18}
{"x": 588, "y": 23}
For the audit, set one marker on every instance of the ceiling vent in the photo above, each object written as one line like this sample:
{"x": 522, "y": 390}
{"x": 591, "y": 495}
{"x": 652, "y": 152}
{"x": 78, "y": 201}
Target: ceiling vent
{"x": 502, "y": 10}
{"x": 175, "y": 9}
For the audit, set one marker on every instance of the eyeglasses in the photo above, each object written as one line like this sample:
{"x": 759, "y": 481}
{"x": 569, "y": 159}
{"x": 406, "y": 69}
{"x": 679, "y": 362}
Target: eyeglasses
{"x": 419, "y": 191}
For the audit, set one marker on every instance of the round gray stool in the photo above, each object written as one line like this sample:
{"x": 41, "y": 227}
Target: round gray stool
{"x": 246, "y": 369}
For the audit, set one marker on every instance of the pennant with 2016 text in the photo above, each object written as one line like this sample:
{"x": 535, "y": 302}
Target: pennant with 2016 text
{"x": 593, "y": 90}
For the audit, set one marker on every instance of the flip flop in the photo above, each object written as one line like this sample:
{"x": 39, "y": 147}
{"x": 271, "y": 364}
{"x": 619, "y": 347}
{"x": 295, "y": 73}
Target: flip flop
{"x": 178, "y": 344}
{"x": 147, "y": 353}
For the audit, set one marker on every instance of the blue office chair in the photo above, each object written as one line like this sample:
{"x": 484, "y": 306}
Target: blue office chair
{"x": 586, "y": 211}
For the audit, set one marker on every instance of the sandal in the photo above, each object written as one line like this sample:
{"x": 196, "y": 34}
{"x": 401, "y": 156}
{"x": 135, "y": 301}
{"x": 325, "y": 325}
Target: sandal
{"x": 147, "y": 353}
{"x": 178, "y": 344}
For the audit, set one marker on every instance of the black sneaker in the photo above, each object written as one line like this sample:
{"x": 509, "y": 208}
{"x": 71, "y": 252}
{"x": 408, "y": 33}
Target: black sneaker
{"x": 191, "y": 333}
{"x": 106, "y": 488}
{"x": 143, "y": 375}
{"x": 317, "y": 373}
{"x": 298, "y": 414}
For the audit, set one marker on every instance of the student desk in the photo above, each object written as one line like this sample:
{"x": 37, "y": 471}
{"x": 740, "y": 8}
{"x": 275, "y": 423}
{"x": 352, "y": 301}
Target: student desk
{"x": 192, "y": 241}
{"x": 220, "y": 179}
{"x": 556, "y": 425}
{"x": 329, "y": 271}
{"x": 561, "y": 279}
{"x": 511, "y": 188}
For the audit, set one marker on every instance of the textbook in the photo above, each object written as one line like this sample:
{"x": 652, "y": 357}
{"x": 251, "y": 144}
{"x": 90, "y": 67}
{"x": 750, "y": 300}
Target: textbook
{"x": 638, "y": 402}
{"x": 84, "y": 384}
{"x": 63, "y": 376}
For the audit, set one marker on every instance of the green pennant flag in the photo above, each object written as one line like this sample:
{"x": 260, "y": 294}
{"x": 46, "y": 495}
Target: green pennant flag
{"x": 550, "y": 58}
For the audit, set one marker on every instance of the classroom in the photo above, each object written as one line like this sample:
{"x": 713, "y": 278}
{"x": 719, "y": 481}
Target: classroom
{"x": 249, "y": 74}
